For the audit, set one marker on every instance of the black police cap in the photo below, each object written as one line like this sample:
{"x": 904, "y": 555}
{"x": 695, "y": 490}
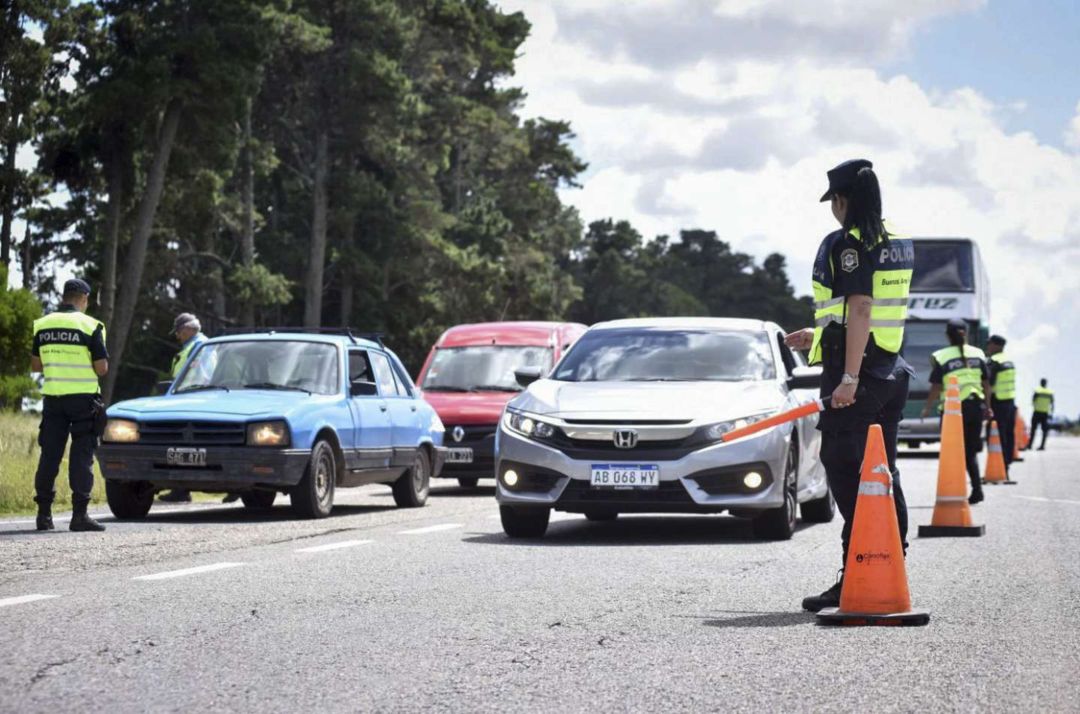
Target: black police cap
{"x": 842, "y": 177}
{"x": 76, "y": 286}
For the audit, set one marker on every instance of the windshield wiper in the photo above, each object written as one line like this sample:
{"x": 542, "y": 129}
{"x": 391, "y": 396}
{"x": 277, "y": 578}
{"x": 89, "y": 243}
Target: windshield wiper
{"x": 272, "y": 385}
{"x": 446, "y": 388}
{"x": 493, "y": 388}
{"x": 200, "y": 388}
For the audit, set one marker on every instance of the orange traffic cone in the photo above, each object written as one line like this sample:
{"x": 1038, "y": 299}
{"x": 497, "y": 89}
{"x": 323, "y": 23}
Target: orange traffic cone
{"x": 875, "y": 590}
{"x": 995, "y": 461}
{"x": 1020, "y": 442}
{"x": 952, "y": 516}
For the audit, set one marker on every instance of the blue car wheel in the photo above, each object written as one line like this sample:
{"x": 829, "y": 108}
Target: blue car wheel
{"x": 313, "y": 497}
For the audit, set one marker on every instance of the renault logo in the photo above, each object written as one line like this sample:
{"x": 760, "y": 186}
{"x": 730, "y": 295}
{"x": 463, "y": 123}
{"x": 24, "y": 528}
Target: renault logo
{"x": 625, "y": 438}
{"x": 458, "y": 433}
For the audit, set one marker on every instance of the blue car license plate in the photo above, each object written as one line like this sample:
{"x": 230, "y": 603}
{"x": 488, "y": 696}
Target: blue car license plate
{"x": 625, "y": 476}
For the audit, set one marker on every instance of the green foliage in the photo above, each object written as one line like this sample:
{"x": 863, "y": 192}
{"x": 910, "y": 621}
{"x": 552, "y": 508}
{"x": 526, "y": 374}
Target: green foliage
{"x": 260, "y": 287}
{"x": 18, "y": 310}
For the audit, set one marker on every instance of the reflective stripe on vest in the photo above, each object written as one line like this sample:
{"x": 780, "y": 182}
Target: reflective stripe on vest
{"x": 1004, "y": 386}
{"x": 893, "y": 261}
{"x": 181, "y": 357}
{"x": 968, "y": 369}
{"x": 1044, "y": 397}
{"x": 64, "y": 348}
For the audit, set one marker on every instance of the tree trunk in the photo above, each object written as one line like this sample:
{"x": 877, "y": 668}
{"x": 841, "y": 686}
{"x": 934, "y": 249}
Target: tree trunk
{"x": 27, "y": 259}
{"x": 313, "y": 282}
{"x": 8, "y": 197}
{"x": 247, "y": 198}
{"x": 140, "y": 239}
{"x": 112, "y": 238}
{"x": 347, "y": 271}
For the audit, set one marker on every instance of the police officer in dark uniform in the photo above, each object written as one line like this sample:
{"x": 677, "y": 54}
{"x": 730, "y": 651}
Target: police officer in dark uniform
{"x": 861, "y": 279}
{"x": 69, "y": 350}
{"x": 1003, "y": 395}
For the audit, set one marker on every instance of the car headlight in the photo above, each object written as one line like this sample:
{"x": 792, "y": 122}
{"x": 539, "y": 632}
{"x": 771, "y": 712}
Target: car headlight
{"x": 716, "y": 431}
{"x": 121, "y": 431}
{"x": 268, "y": 433}
{"x": 527, "y": 425}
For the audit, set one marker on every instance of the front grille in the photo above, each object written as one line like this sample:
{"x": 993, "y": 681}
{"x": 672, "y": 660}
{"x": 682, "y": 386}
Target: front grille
{"x": 473, "y": 435}
{"x": 197, "y": 433}
{"x": 628, "y": 422}
{"x": 605, "y": 450}
{"x": 581, "y": 494}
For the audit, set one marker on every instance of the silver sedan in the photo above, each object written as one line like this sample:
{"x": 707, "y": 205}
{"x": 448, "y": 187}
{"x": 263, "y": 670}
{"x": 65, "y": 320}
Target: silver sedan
{"x": 630, "y": 421}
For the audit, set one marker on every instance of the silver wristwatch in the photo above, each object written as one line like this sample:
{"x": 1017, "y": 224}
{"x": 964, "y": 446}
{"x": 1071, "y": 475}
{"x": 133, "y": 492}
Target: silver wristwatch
{"x": 849, "y": 379}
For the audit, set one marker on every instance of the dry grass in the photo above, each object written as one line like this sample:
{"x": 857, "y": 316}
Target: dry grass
{"x": 19, "y": 453}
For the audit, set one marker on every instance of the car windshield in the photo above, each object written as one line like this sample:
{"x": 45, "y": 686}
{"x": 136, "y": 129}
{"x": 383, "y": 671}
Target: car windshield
{"x": 942, "y": 268}
{"x": 662, "y": 355}
{"x": 482, "y": 368}
{"x": 263, "y": 364}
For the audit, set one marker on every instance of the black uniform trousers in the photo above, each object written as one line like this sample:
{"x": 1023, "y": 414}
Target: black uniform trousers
{"x": 73, "y": 415}
{"x": 1005, "y": 416}
{"x": 843, "y": 443}
{"x": 971, "y": 410}
{"x": 1039, "y": 419}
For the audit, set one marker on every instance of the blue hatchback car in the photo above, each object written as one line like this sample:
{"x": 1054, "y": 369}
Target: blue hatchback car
{"x": 258, "y": 414}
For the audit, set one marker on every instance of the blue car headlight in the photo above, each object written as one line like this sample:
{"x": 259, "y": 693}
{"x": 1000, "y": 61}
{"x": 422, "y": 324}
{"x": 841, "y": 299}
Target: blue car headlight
{"x": 715, "y": 432}
{"x": 268, "y": 433}
{"x": 527, "y": 425}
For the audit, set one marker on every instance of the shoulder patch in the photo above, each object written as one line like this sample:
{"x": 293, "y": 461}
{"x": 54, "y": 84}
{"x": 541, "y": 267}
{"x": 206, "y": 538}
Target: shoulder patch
{"x": 849, "y": 260}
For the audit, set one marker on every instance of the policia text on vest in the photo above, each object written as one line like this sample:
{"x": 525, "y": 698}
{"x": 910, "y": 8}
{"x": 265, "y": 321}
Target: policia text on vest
{"x": 69, "y": 350}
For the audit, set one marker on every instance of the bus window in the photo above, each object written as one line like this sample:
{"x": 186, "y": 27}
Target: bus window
{"x": 943, "y": 268}
{"x": 922, "y": 339}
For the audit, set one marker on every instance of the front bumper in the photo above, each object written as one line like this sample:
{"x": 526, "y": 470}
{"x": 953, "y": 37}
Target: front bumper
{"x": 704, "y": 481}
{"x": 227, "y": 467}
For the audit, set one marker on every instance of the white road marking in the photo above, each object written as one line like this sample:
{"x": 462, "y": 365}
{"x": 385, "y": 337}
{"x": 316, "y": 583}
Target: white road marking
{"x": 1047, "y": 500}
{"x": 431, "y": 529}
{"x": 188, "y": 571}
{"x": 332, "y": 546}
{"x": 4, "y": 602}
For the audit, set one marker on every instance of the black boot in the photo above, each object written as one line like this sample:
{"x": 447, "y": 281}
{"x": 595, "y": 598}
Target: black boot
{"x": 81, "y": 520}
{"x": 44, "y": 517}
{"x": 829, "y": 598}
{"x": 976, "y": 497}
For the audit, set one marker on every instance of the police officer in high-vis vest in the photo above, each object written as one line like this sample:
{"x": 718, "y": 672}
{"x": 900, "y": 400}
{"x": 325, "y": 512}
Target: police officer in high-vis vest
{"x": 1003, "y": 395}
{"x": 69, "y": 350}
{"x": 1042, "y": 402}
{"x": 968, "y": 364}
{"x": 861, "y": 279}
{"x": 188, "y": 332}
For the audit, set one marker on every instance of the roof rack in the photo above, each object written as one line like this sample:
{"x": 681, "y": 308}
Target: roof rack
{"x": 351, "y": 332}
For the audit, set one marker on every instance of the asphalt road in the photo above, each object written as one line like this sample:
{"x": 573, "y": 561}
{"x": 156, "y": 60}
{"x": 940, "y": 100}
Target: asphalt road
{"x": 434, "y": 609}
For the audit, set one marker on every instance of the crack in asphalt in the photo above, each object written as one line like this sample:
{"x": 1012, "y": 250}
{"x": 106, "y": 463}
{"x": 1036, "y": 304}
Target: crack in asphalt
{"x": 44, "y": 669}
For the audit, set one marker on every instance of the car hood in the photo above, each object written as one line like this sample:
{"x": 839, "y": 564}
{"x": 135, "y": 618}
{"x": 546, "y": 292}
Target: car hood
{"x": 469, "y": 407}
{"x": 240, "y": 402}
{"x": 699, "y": 401}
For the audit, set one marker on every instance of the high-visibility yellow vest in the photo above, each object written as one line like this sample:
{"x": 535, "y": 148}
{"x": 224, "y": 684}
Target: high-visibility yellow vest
{"x": 1004, "y": 386}
{"x": 893, "y": 261}
{"x": 182, "y": 356}
{"x": 968, "y": 369}
{"x": 1044, "y": 399}
{"x": 64, "y": 349}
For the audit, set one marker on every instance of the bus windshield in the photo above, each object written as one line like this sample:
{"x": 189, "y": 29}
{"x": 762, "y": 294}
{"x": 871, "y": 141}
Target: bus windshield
{"x": 922, "y": 339}
{"x": 943, "y": 268}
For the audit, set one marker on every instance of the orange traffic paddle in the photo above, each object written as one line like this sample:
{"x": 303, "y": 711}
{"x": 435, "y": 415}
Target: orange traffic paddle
{"x": 798, "y": 412}
{"x": 952, "y": 515}
{"x": 875, "y": 590}
{"x": 995, "y": 461}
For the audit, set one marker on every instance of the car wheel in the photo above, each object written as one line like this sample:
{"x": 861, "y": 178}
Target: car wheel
{"x": 779, "y": 523}
{"x": 313, "y": 497}
{"x": 524, "y": 521}
{"x": 129, "y": 499}
{"x": 819, "y": 510}
{"x": 412, "y": 487}
{"x": 601, "y": 515}
{"x": 468, "y": 481}
{"x": 259, "y": 500}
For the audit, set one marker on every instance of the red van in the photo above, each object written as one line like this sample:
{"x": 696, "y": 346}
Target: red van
{"x": 469, "y": 377}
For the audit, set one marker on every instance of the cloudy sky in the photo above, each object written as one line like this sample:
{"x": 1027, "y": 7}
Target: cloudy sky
{"x": 725, "y": 114}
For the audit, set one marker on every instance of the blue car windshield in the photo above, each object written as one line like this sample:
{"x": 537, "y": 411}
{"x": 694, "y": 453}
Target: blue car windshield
{"x": 284, "y": 365}
{"x": 668, "y": 355}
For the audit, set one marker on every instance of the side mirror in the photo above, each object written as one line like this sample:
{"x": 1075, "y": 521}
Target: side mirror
{"x": 363, "y": 389}
{"x": 161, "y": 388}
{"x": 527, "y": 375}
{"x": 805, "y": 378}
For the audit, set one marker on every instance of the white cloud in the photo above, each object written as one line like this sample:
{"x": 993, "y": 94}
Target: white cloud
{"x": 725, "y": 115}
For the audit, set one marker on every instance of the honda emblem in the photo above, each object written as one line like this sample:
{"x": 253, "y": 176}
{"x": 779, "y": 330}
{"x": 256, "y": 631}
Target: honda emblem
{"x": 625, "y": 438}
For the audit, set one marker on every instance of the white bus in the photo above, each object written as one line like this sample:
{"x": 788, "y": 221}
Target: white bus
{"x": 949, "y": 281}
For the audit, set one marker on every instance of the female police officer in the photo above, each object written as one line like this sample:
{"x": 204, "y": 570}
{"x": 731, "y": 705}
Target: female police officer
{"x": 861, "y": 280}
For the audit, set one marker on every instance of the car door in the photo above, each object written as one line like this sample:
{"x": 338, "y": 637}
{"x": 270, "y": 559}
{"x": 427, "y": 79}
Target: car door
{"x": 810, "y": 470}
{"x": 372, "y": 442}
{"x": 404, "y": 417}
